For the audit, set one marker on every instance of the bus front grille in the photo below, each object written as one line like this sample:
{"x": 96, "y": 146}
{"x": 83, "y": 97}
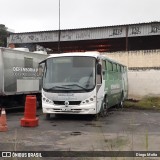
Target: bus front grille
{"x": 70, "y": 102}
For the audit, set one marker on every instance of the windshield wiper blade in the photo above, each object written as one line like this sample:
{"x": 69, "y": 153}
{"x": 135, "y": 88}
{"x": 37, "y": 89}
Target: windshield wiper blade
{"x": 58, "y": 87}
{"x": 76, "y": 85}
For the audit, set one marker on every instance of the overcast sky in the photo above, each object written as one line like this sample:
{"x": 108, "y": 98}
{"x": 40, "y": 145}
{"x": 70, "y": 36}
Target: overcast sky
{"x": 41, "y": 15}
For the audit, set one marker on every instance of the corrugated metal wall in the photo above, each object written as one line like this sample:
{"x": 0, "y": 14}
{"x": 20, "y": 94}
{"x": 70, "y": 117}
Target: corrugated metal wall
{"x": 145, "y": 29}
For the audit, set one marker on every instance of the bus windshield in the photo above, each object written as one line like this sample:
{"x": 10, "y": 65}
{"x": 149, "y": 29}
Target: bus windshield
{"x": 63, "y": 74}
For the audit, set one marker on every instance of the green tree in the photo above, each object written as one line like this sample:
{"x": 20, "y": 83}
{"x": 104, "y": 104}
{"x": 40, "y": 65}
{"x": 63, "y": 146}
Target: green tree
{"x": 3, "y": 35}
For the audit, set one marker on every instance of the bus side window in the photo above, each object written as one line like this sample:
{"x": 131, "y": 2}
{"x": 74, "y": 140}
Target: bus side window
{"x": 115, "y": 73}
{"x": 110, "y": 70}
{"x": 114, "y": 67}
{"x": 104, "y": 67}
{"x": 119, "y": 71}
{"x": 99, "y": 74}
{"x": 110, "y": 66}
{"x": 122, "y": 69}
{"x": 118, "y": 67}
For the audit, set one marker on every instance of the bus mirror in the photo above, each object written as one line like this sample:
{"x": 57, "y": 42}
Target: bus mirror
{"x": 41, "y": 67}
{"x": 99, "y": 69}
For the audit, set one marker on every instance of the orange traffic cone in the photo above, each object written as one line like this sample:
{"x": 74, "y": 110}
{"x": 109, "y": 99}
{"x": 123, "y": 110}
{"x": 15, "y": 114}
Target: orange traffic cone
{"x": 3, "y": 121}
{"x": 30, "y": 119}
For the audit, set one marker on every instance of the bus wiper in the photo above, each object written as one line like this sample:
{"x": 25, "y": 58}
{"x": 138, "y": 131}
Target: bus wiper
{"x": 58, "y": 87}
{"x": 76, "y": 85}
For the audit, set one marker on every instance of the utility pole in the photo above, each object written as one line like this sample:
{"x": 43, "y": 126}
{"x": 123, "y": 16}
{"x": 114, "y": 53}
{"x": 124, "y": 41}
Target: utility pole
{"x": 59, "y": 30}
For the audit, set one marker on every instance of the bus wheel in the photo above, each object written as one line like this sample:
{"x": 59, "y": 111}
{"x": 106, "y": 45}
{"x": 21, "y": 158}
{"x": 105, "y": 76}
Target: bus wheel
{"x": 48, "y": 116}
{"x": 104, "y": 108}
{"x": 121, "y": 104}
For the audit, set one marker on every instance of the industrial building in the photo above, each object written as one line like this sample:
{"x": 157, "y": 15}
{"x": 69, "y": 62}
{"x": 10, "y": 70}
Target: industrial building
{"x": 129, "y": 37}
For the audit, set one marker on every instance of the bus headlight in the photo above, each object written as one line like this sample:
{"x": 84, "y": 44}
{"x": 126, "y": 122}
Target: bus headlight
{"x": 46, "y": 100}
{"x": 89, "y": 100}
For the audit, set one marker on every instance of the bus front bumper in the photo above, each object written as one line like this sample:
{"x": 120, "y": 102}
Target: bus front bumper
{"x": 89, "y": 108}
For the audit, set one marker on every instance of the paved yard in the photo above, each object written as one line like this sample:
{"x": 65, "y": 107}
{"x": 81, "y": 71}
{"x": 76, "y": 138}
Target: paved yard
{"x": 127, "y": 130}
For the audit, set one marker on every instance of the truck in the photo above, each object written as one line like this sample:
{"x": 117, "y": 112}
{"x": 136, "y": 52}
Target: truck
{"x": 19, "y": 76}
{"x": 82, "y": 83}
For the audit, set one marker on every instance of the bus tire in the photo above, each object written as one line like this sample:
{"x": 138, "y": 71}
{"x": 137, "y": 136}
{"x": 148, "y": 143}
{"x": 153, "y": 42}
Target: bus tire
{"x": 121, "y": 103}
{"x": 104, "y": 108}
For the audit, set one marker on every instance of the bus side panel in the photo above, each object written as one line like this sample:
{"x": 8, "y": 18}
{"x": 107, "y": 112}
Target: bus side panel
{"x": 108, "y": 84}
{"x": 114, "y": 84}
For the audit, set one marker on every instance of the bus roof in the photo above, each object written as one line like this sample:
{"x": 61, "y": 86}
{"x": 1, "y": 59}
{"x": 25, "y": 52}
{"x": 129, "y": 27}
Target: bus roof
{"x": 87, "y": 54}
{"x": 94, "y": 54}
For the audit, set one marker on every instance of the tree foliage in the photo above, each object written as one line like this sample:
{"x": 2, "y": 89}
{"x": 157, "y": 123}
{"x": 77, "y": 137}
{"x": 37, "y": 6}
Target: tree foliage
{"x": 3, "y": 35}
